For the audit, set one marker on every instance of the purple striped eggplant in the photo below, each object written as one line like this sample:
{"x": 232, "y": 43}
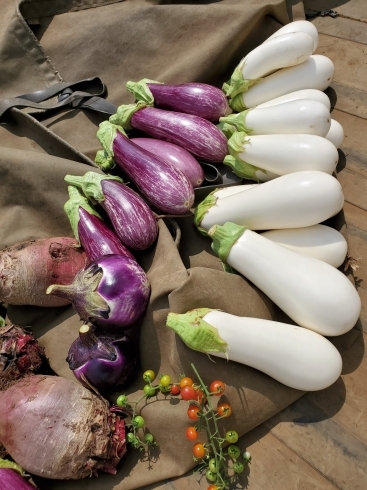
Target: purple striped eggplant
{"x": 12, "y": 477}
{"x": 199, "y": 99}
{"x": 164, "y": 186}
{"x": 89, "y": 229}
{"x": 199, "y": 136}
{"x": 112, "y": 292}
{"x": 175, "y": 155}
{"x": 131, "y": 217}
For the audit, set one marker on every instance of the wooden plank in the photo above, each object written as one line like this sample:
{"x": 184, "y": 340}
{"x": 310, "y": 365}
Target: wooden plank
{"x": 349, "y": 58}
{"x": 347, "y": 99}
{"x": 349, "y": 29}
{"x": 352, "y": 9}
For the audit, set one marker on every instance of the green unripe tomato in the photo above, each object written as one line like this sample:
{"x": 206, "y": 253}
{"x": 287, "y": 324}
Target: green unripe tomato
{"x": 138, "y": 421}
{"x": 233, "y": 451}
{"x": 130, "y": 437}
{"x": 149, "y": 375}
{"x": 238, "y": 467}
{"x": 165, "y": 380}
{"x": 164, "y": 388}
{"x": 247, "y": 457}
{"x": 149, "y": 391}
{"x": 210, "y": 475}
{"x": 231, "y": 436}
{"x": 213, "y": 465}
{"x": 121, "y": 401}
{"x": 148, "y": 438}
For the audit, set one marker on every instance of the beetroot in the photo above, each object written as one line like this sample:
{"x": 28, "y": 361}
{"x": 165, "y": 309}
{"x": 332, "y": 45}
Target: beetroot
{"x": 56, "y": 428}
{"x": 20, "y": 355}
{"x": 28, "y": 268}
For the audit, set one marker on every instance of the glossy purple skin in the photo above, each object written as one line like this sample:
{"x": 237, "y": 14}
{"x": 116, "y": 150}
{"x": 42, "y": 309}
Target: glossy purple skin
{"x": 163, "y": 185}
{"x": 12, "y": 480}
{"x": 105, "y": 372}
{"x": 125, "y": 288}
{"x": 175, "y": 155}
{"x": 131, "y": 217}
{"x": 198, "y": 99}
{"x": 97, "y": 239}
{"x": 199, "y": 136}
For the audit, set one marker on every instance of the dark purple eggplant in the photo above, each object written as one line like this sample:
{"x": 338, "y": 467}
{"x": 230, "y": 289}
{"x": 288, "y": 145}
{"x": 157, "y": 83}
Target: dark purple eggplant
{"x": 112, "y": 292}
{"x": 164, "y": 186}
{"x": 197, "y": 135}
{"x": 175, "y": 155}
{"x": 12, "y": 477}
{"x": 96, "y": 238}
{"x": 199, "y": 99}
{"x": 131, "y": 217}
{"x": 105, "y": 360}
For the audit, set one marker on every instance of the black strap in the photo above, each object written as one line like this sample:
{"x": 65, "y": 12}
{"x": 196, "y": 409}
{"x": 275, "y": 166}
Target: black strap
{"x": 84, "y": 94}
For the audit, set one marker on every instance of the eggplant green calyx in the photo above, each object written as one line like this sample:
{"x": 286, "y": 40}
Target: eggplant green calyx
{"x": 141, "y": 91}
{"x": 195, "y": 332}
{"x": 237, "y": 84}
{"x": 71, "y": 207}
{"x": 124, "y": 113}
{"x": 224, "y": 237}
{"x": 242, "y": 169}
{"x": 91, "y": 184}
{"x": 237, "y": 104}
{"x": 83, "y": 294}
{"x": 106, "y": 134}
{"x": 2, "y": 322}
{"x": 227, "y": 129}
{"x": 237, "y": 120}
{"x": 5, "y": 463}
{"x": 203, "y": 208}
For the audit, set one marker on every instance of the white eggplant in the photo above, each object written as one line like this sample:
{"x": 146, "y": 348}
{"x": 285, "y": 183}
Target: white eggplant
{"x": 298, "y": 26}
{"x": 313, "y": 294}
{"x": 294, "y": 117}
{"x": 231, "y": 190}
{"x": 283, "y": 51}
{"x": 291, "y": 201}
{"x": 317, "y": 73}
{"x": 280, "y": 154}
{"x": 307, "y": 93}
{"x": 294, "y": 356}
{"x": 335, "y": 134}
{"x": 318, "y": 241}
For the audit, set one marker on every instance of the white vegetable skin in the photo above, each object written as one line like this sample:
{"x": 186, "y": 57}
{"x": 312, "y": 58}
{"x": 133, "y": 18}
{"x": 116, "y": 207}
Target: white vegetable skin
{"x": 312, "y": 293}
{"x": 291, "y": 201}
{"x": 286, "y": 153}
{"x": 318, "y": 241}
{"x": 335, "y": 134}
{"x": 307, "y": 93}
{"x": 298, "y": 26}
{"x": 317, "y": 73}
{"x": 285, "y": 50}
{"x": 294, "y": 356}
{"x": 232, "y": 190}
{"x": 293, "y": 117}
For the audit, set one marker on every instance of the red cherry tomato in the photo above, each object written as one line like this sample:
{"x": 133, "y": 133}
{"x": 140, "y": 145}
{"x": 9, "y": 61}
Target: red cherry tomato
{"x": 186, "y": 381}
{"x": 192, "y": 433}
{"x": 217, "y": 387}
{"x": 175, "y": 390}
{"x": 200, "y": 396}
{"x": 224, "y": 410}
{"x": 213, "y": 487}
{"x": 198, "y": 450}
{"x": 188, "y": 393}
{"x": 193, "y": 412}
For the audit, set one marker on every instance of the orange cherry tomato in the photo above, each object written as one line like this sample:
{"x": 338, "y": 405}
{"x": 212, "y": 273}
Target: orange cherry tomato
{"x": 186, "y": 381}
{"x": 192, "y": 433}
{"x": 198, "y": 450}
{"x": 193, "y": 412}
{"x": 224, "y": 410}
{"x": 212, "y": 487}
{"x": 217, "y": 387}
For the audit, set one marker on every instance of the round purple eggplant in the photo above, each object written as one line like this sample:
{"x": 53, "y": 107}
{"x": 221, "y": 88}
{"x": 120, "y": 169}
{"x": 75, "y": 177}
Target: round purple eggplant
{"x": 199, "y": 136}
{"x": 131, "y": 217}
{"x": 112, "y": 292}
{"x": 96, "y": 238}
{"x": 175, "y": 155}
{"x": 104, "y": 360}
{"x": 164, "y": 186}
{"x": 199, "y": 99}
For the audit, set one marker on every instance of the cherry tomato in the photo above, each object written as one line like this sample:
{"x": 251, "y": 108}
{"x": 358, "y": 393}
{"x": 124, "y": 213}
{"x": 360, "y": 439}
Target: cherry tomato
{"x": 213, "y": 487}
{"x": 175, "y": 390}
{"x": 233, "y": 451}
{"x": 186, "y": 381}
{"x": 149, "y": 375}
{"x": 231, "y": 436}
{"x": 217, "y": 388}
{"x": 148, "y": 438}
{"x": 213, "y": 466}
{"x": 200, "y": 396}
{"x": 210, "y": 475}
{"x": 188, "y": 393}
{"x": 198, "y": 450}
{"x": 192, "y": 433}
{"x": 164, "y": 389}
{"x": 238, "y": 467}
{"x": 121, "y": 401}
{"x": 165, "y": 380}
{"x": 193, "y": 412}
{"x": 130, "y": 437}
{"x": 149, "y": 390}
{"x": 138, "y": 421}
{"x": 246, "y": 457}
{"x": 224, "y": 410}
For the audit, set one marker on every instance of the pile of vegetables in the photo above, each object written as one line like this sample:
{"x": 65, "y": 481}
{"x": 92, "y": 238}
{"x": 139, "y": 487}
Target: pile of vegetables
{"x": 271, "y": 124}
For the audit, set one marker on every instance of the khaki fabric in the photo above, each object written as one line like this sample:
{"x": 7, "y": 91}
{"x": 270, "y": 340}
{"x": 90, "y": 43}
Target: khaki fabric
{"x": 44, "y": 42}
